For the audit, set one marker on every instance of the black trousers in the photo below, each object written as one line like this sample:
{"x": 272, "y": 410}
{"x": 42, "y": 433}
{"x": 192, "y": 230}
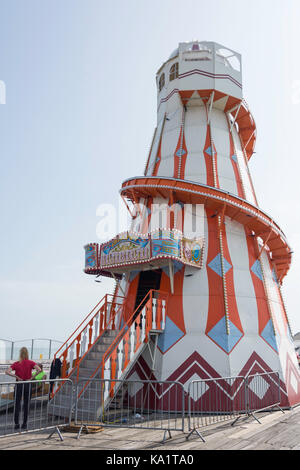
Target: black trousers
{"x": 22, "y": 394}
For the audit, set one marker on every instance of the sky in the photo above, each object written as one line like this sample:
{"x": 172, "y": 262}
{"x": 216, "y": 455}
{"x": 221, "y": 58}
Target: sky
{"x": 78, "y": 120}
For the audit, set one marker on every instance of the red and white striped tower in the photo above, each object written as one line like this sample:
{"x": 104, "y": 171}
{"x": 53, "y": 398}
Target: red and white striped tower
{"x": 225, "y": 317}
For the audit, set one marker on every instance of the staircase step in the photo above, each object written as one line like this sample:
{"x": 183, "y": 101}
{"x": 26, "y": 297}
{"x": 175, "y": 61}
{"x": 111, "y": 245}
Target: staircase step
{"x": 100, "y": 348}
{"x": 112, "y": 333}
{"x": 87, "y": 372}
{"x": 60, "y": 412}
{"x": 96, "y": 355}
{"x": 107, "y": 341}
{"x": 91, "y": 363}
{"x": 60, "y": 407}
{"x": 89, "y": 404}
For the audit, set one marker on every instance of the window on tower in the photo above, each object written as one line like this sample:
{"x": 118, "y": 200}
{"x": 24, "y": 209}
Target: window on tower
{"x": 228, "y": 58}
{"x": 174, "y": 71}
{"x": 161, "y": 82}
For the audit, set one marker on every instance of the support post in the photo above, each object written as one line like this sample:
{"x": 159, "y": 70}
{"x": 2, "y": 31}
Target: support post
{"x": 171, "y": 272}
{"x": 56, "y": 430}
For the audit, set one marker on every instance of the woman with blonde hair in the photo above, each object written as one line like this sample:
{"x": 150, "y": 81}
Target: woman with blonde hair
{"x": 23, "y": 372}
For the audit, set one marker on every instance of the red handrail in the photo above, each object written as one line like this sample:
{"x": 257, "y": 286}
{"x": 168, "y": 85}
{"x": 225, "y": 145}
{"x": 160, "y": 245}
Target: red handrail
{"x": 107, "y": 327}
{"x": 110, "y": 323}
{"x": 85, "y": 323}
{"x": 55, "y": 355}
{"x": 127, "y": 325}
{"x": 119, "y": 337}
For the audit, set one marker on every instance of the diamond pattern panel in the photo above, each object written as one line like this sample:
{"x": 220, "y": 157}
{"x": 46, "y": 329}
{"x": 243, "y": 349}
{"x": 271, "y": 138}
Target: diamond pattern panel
{"x": 256, "y": 269}
{"x": 170, "y": 336}
{"x": 215, "y": 265}
{"x": 259, "y": 387}
{"x": 268, "y": 335}
{"x": 218, "y": 335}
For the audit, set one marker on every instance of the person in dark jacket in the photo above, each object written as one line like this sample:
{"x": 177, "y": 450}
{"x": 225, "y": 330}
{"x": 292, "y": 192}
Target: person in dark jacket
{"x": 55, "y": 372}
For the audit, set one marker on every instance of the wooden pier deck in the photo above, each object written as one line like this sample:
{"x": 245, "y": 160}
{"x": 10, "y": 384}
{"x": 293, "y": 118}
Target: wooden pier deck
{"x": 277, "y": 431}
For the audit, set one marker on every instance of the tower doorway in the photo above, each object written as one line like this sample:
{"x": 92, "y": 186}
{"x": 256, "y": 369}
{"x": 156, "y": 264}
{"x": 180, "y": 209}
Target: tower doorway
{"x": 148, "y": 280}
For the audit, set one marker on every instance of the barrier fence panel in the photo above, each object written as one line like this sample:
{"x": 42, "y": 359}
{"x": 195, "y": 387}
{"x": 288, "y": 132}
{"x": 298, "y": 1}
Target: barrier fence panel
{"x": 263, "y": 392}
{"x": 143, "y": 404}
{"x": 213, "y": 401}
{"x": 131, "y": 404}
{"x": 32, "y": 406}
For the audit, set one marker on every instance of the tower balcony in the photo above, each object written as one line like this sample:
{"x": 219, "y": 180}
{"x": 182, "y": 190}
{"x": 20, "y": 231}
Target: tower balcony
{"x": 131, "y": 250}
{"x": 223, "y": 203}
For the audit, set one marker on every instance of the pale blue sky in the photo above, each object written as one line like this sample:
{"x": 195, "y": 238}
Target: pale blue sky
{"x": 79, "y": 116}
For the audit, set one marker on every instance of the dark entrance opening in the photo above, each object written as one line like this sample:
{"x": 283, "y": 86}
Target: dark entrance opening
{"x": 148, "y": 280}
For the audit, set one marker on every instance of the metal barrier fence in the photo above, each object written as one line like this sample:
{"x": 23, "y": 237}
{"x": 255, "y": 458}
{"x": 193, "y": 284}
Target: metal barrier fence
{"x": 263, "y": 392}
{"x": 141, "y": 404}
{"x": 214, "y": 401}
{"x": 33, "y": 406}
{"x": 129, "y": 403}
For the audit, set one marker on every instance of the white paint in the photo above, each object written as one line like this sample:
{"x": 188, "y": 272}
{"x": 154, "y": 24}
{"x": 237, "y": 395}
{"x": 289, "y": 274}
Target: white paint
{"x": 198, "y": 388}
{"x": 220, "y": 136}
{"x": 294, "y": 382}
{"x": 195, "y": 135}
{"x": 259, "y": 386}
{"x": 244, "y": 172}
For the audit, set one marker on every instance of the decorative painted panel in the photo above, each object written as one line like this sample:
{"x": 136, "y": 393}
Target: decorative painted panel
{"x": 125, "y": 249}
{"x": 132, "y": 248}
{"x": 91, "y": 255}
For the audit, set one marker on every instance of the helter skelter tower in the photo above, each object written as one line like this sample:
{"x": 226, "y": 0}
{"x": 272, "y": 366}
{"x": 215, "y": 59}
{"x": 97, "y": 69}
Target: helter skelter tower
{"x": 225, "y": 314}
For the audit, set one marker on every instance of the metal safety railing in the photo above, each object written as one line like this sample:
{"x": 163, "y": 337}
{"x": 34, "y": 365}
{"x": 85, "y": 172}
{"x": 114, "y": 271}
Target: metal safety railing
{"x": 38, "y": 348}
{"x": 215, "y": 401}
{"x": 144, "y": 404}
{"x": 32, "y": 406}
{"x": 263, "y": 392}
